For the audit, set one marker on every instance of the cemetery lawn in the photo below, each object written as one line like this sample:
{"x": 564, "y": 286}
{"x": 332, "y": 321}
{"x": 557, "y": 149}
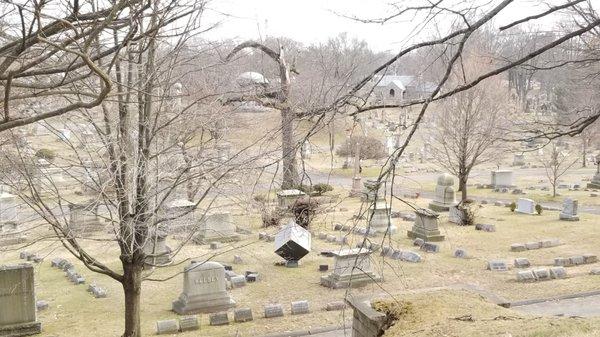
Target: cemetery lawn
{"x": 74, "y": 312}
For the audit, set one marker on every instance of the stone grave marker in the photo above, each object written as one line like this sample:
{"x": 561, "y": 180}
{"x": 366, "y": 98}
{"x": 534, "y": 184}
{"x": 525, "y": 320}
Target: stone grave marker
{"x": 526, "y": 276}
{"x": 426, "y": 226}
{"x": 558, "y": 272}
{"x": 169, "y": 326}
{"x": 273, "y": 310}
{"x": 219, "y": 318}
{"x": 460, "y": 253}
{"x": 300, "y": 307}
{"x": 569, "y": 211}
{"x": 17, "y": 301}
{"x": 497, "y": 265}
{"x": 293, "y": 242}
{"x": 242, "y": 315}
{"x": 336, "y": 305}
{"x": 188, "y": 323}
{"x": 204, "y": 289}
{"x": 444, "y": 194}
{"x": 216, "y": 227}
{"x": 238, "y": 281}
{"x": 502, "y": 178}
{"x": 522, "y": 262}
{"x": 525, "y": 206}
{"x": 352, "y": 268}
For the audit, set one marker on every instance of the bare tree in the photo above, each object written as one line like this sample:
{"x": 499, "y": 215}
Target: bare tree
{"x": 556, "y": 163}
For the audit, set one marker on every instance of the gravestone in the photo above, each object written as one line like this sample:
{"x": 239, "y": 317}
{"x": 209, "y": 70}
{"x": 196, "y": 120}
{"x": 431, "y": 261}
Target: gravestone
{"x": 242, "y": 315}
{"x": 336, "y": 305}
{"x": 430, "y": 247}
{"x": 379, "y": 213}
{"x": 204, "y": 289}
{"x": 287, "y": 198}
{"x": 426, "y": 226}
{"x": 502, "y": 178}
{"x": 569, "y": 211}
{"x": 9, "y": 208}
{"x": 522, "y": 262}
{"x": 188, "y": 323}
{"x": 455, "y": 215}
{"x": 83, "y": 218}
{"x": 292, "y": 242}
{"x": 169, "y": 326}
{"x": 460, "y": 253}
{"x": 351, "y": 268}
{"x": 525, "y": 206}
{"x": 238, "y": 281}
{"x": 444, "y": 194}
{"x": 181, "y": 216}
{"x": 497, "y": 265}
{"x": 558, "y": 272}
{"x": 300, "y": 307}
{"x": 219, "y": 318}
{"x": 17, "y": 301}
{"x": 273, "y": 310}
{"x": 526, "y": 276}
{"x": 156, "y": 249}
{"x": 216, "y": 227}
{"x": 519, "y": 160}
{"x": 595, "y": 183}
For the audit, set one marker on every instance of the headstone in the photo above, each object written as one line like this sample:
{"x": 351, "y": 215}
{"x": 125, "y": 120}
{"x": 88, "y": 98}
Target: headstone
{"x": 219, "y": 318}
{"x": 252, "y": 277}
{"x": 532, "y": 245}
{"x": 204, "y": 289}
{"x": 595, "y": 183}
{"x": 334, "y": 306}
{"x": 426, "y": 226}
{"x": 569, "y": 211}
{"x": 541, "y": 274}
{"x": 379, "y": 212}
{"x": 237, "y": 259}
{"x": 517, "y": 247}
{"x": 17, "y": 301}
{"x": 9, "y": 208}
{"x": 156, "y": 249}
{"x": 526, "y": 276}
{"x": 418, "y": 242}
{"x": 273, "y": 310}
{"x": 558, "y": 272}
{"x": 169, "y": 326}
{"x": 409, "y": 256}
{"x": 444, "y": 194}
{"x": 455, "y": 215}
{"x": 352, "y": 268}
{"x": 485, "y": 227}
{"x": 188, "y": 323}
{"x": 590, "y": 258}
{"x": 238, "y": 281}
{"x": 84, "y": 219}
{"x": 460, "y": 253}
{"x": 577, "y": 260}
{"x": 287, "y": 198}
{"x": 502, "y": 178}
{"x": 293, "y": 242}
{"x": 216, "y": 227}
{"x": 323, "y": 267}
{"x": 518, "y": 160}
{"x": 181, "y": 215}
{"x": 525, "y": 206}
{"x": 497, "y": 265}
{"x": 42, "y": 305}
{"x": 522, "y": 262}
{"x": 430, "y": 247}
{"x": 300, "y": 307}
{"x": 562, "y": 262}
{"x": 242, "y": 315}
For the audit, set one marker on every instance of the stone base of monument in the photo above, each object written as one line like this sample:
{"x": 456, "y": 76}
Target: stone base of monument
{"x": 427, "y": 235}
{"x": 594, "y": 185}
{"x": 21, "y": 329}
{"x": 158, "y": 261}
{"x": 358, "y": 279}
{"x": 203, "y": 304}
{"x": 439, "y": 207}
{"x": 568, "y": 217}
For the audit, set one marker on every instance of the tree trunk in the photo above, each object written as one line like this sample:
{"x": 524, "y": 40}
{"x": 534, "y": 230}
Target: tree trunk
{"x": 288, "y": 149}
{"x": 462, "y": 187}
{"x": 132, "y": 288}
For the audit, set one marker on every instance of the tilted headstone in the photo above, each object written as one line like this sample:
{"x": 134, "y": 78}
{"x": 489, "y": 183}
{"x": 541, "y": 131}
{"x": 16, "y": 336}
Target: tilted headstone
{"x": 273, "y": 310}
{"x": 525, "y": 206}
{"x": 409, "y": 256}
{"x": 293, "y": 242}
{"x": 17, "y": 301}
{"x": 204, "y": 289}
{"x": 169, "y": 326}
{"x": 569, "y": 211}
{"x": 242, "y": 315}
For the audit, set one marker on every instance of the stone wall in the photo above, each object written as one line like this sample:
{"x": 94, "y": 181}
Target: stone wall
{"x": 366, "y": 321}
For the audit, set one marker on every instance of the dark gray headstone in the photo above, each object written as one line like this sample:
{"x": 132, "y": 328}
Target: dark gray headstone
{"x": 218, "y": 318}
{"x": 522, "y": 262}
{"x": 242, "y": 315}
{"x": 273, "y": 310}
{"x": 300, "y": 307}
{"x": 188, "y": 323}
{"x": 460, "y": 253}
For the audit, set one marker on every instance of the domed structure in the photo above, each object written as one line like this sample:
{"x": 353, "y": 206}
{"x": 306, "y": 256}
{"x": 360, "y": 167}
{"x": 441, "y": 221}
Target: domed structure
{"x": 444, "y": 194}
{"x": 445, "y": 180}
{"x": 251, "y": 78}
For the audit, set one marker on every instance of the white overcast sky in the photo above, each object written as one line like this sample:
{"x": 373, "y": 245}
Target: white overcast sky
{"x": 313, "y": 21}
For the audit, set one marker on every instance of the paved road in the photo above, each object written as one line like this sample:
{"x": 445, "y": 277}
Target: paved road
{"x": 582, "y": 306}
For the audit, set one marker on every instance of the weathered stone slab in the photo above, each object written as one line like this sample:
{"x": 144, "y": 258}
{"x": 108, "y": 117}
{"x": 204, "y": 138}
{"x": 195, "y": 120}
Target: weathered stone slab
{"x": 188, "y": 323}
{"x": 300, "y": 307}
{"x": 242, "y": 315}
{"x": 218, "y": 318}
{"x": 169, "y": 326}
{"x": 273, "y": 310}
{"x": 336, "y": 305}
{"x": 460, "y": 253}
{"x": 526, "y": 276}
{"x": 532, "y": 245}
{"x": 541, "y": 274}
{"x": 430, "y": 247}
{"x": 558, "y": 272}
{"x": 497, "y": 265}
{"x": 522, "y": 262}
{"x": 517, "y": 247}
{"x": 238, "y": 281}
{"x": 409, "y": 256}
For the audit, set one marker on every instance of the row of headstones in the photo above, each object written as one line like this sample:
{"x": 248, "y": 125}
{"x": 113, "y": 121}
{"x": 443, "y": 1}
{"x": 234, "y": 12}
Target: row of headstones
{"x": 332, "y": 238}
{"x": 238, "y": 281}
{"x": 403, "y": 255}
{"x": 76, "y": 278}
{"x": 357, "y": 230}
{"x": 546, "y": 243}
{"x": 499, "y": 265}
{"x": 30, "y": 257}
{"x": 240, "y": 315}
{"x": 541, "y": 274}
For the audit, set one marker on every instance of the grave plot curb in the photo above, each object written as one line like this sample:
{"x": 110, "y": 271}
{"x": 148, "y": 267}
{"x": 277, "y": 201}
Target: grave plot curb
{"x": 310, "y": 332}
{"x": 556, "y": 298}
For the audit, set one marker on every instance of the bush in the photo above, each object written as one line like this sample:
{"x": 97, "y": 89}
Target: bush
{"x": 304, "y": 188}
{"x": 512, "y": 206}
{"x": 304, "y": 211}
{"x": 469, "y": 213}
{"x": 271, "y": 217}
{"x": 370, "y": 148}
{"x": 320, "y": 189}
{"x": 47, "y": 154}
{"x": 539, "y": 209}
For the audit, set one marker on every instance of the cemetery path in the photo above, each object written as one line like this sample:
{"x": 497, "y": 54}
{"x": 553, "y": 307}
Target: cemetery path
{"x": 582, "y": 306}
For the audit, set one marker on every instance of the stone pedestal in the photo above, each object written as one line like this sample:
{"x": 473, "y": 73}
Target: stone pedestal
{"x": 156, "y": 246}
{"x": 595, "y": 183}
{"x": 204, "y": 289}
{"x": 287, "y": 198}
{"x": 17, "y": 301}
{"x": 380, "y": 219}
{"x": 426, "y": 226}
{"x": 181, "y": 215}
{"x": 352, "y": 268}
{"x": 502, "y": 178}
{"x": 356, "y": 190}
{"x": 444, "y": 194}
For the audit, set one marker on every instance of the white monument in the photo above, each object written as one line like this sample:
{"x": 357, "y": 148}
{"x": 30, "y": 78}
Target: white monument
{"x": 351, "y": 268}
{"x": 8, "y": 207}
{"x": 525, "y": 206}
{"x": 569, "y": 211}
{"x": 216, "y": 227}
{"x": 502, "y": 178}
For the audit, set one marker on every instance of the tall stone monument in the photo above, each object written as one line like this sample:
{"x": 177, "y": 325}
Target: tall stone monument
{"x": 379, "y": 214}
{"x": 204, "y": 289}
{"x": 444, "y": 194}
{"x": 595, "y": 183}
{"x": 83, "y": 218}
{"x": 426, "y": 226}
{"x": 17, "y": 301}
{"x": 351, "y": 268}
